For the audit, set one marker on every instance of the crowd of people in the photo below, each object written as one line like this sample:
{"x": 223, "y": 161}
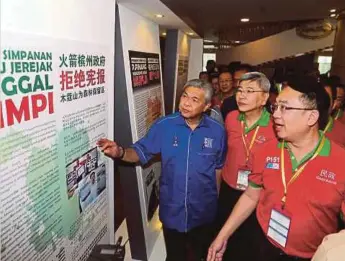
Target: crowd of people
{"x": 250, "y": 171}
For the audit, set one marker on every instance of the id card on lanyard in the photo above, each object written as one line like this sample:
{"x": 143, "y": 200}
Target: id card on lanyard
{"x": 244, "y": 171}
{"x": 280, "y": 220}
{"x": 279, "y": 225}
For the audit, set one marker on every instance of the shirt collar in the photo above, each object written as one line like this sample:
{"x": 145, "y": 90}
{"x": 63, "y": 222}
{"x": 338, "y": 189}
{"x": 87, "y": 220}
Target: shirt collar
{"x": 263, "y": 121}
{"x": 325, "y": 151}
{"x": 203, "y": 122}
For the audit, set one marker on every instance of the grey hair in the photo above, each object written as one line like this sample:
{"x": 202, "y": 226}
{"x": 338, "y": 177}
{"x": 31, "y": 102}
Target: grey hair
{"x": 309, "y": 99}
{"x": 259, "y": 78}
{"x": 203, "y": 85}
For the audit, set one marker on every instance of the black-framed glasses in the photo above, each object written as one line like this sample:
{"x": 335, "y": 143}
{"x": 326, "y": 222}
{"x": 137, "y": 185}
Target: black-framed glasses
{"x": 246, "y": 92}
{"x": 283, "y": 108}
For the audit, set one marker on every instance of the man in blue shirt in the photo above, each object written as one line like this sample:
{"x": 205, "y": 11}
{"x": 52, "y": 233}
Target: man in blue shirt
{"x": 192, "y": 148}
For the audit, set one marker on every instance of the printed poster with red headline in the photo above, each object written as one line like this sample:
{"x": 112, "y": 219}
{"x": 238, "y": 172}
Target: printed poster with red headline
{"x": 53, "y": 178}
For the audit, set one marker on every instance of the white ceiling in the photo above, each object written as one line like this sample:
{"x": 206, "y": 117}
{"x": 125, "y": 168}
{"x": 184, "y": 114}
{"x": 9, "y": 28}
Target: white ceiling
{"x": 149, "y": 8}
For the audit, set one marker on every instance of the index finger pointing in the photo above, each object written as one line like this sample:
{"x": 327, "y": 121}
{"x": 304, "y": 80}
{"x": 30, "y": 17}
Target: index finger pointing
{"x": 101, "y": 142}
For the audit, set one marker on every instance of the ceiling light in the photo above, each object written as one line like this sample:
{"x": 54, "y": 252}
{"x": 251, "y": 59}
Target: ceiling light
{"x": 333, "y": 10}
{"x": 164, "y": 34}
{"x": 159, "y": 16}
{"x": 237, "y": 42}
{"x": 245, "y": 20}
{"x": 333, "y": 15}
{"x": 210, "y": 46}
{"x": 191, "y": 34}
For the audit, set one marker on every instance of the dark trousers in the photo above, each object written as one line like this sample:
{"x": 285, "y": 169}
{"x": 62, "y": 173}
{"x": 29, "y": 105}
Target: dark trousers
{"x": 242, "y": 245}
{"x": 268, "y": 252}
{"x": 192, "y": 245}
{"x": 248, "y": 243}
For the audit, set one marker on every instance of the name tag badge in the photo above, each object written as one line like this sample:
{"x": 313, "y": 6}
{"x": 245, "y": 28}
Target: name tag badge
{"x": 242, "y": 178}
{"x": 279, "y": 226}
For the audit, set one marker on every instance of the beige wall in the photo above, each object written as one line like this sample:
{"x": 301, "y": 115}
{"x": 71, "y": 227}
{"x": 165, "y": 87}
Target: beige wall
{"x": 195, "y": 58}
{"x": 278, "y": 46}
{"x": 338, "y": 62}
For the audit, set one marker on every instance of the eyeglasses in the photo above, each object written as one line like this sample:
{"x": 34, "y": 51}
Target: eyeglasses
{"x": 283, "y": 108}
{"x": 246, "y": 92}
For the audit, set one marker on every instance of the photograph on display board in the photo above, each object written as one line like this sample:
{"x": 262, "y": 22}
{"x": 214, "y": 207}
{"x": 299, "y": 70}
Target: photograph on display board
{"x": 145, "y": 69}
{"x": 147, "y": 92}
{"x": 148, "y": 105}
{"x": 182, "y": 78}
{"x": 86, "y": 178}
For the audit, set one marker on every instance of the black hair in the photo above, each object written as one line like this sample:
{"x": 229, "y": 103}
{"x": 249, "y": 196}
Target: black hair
{"x": 204, "y": 73}
{"x": 233, "y": 66}
{"x": 225, "y": 71}
{"x": 328, "y": 82}
{"x": 273, "y": 88}
{"x": 210, "y": 62}
{"x": 313, "y": 94}
{"x": 341, "y": 86}
{"x": 335, "y": 80}
{"x": 244, "y": 67}
{"x": 213, "y": 76}
{"x": 223, "y": 68}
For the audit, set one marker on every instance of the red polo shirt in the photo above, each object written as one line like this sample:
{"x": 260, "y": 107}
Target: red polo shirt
{"x": 236, "y": 154}
{"x": 339, "y": 116}
{"x": 336, "y": 132}
{"x": 314, "y": 200}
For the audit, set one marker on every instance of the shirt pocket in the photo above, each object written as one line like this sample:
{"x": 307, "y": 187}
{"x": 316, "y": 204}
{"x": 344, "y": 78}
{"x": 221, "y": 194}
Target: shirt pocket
{"x": 207, "y": 154}
{"x": 206, "y": 162}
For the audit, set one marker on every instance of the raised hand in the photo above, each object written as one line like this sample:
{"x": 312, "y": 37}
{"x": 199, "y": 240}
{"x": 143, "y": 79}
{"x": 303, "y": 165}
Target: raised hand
{"x": 110, "y": 148}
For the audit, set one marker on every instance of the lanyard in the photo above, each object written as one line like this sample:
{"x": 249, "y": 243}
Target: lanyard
{"x": 299, "y": 171}
{"x": 330, "y": 120}
{"x": 248, "y": 149}
{"x": 338, "y": 115}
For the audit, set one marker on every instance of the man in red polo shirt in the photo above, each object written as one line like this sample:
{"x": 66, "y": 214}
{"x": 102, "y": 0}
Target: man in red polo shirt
{"x": 297, "y": 185}
{"x": 334, "y": 130}
{"x": 247, "y": 129}
{"x": 339, "y": 103}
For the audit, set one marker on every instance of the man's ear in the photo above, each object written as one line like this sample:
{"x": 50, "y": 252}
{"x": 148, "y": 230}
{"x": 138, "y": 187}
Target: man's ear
{"x": 313, "y": 117}
{"x": 266, "y": 97}
{"x": 208, "y": 105}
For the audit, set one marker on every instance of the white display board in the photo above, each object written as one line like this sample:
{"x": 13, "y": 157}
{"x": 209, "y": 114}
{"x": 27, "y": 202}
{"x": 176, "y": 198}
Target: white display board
{"x": 56, "y": 101}
{"x": 140, "y": 41}
{"x": 182, "y": 64}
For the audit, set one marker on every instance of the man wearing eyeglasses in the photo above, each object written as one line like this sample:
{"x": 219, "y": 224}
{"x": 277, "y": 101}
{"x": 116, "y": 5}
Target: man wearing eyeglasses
{"x": 229, "y": 103}
{"x": 225, "y": 85}
{"x": 247, "y": 129}
{"x": 334, "y": 130}
{"x": 297, "y": 184}
{"x": 192, "y": 148}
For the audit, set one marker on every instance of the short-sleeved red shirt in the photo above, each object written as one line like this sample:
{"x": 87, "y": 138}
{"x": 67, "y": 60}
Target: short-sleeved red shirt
{"x": 339, "y": 116}
{"x": 336, "y": 132}
{"x": 314, "y": 200}
{"x": 236, "y": 154}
